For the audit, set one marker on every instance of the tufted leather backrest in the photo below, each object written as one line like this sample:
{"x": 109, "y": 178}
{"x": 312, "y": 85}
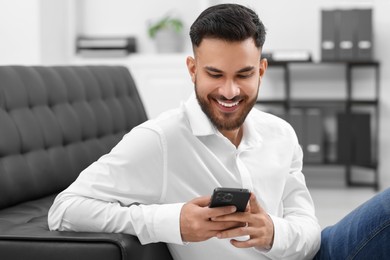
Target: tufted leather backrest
{"x": 55, "y": 121}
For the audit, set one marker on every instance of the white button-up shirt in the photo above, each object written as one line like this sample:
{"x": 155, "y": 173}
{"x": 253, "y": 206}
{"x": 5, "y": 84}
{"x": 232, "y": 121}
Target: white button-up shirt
{"x": 180, "y": 155}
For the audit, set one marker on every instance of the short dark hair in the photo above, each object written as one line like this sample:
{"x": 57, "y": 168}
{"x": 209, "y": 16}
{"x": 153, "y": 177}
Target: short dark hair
{"x": 230, "y": 22}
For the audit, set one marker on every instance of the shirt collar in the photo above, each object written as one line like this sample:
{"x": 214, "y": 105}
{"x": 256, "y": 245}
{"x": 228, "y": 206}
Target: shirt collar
{"x": 201, "y": 125}
{"x": 199, "y": 122}
{"x": 251, "y": 136}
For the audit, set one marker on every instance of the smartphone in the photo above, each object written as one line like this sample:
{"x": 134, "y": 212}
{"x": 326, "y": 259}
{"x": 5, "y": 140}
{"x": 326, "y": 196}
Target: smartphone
{"x": 230, "y": 196}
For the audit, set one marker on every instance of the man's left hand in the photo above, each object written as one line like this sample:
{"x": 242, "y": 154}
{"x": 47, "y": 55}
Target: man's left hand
{"x": 258, "y": 225}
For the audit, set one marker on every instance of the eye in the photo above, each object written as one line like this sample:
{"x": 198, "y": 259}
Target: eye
{"x": 245, "y": 76}
{"x": 215, "y": 76}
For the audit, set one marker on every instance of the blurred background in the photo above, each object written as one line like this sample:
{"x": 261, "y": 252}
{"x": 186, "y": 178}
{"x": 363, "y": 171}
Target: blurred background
{"x": 328, "y": 74}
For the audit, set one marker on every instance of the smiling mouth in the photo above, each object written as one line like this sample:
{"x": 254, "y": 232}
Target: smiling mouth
{"x": 228, "y": 105}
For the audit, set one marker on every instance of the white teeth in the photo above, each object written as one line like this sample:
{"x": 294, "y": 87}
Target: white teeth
{"x": 228, "y": 104}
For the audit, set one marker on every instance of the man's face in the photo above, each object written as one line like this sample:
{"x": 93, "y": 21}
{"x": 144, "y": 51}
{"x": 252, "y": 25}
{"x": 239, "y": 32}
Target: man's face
{"x": 227, "y": 76}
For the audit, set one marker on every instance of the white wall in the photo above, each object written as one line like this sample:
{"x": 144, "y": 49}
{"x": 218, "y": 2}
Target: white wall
{"x": 36, "y": 31}
{"x": 56, "y": 28}
{"x": 19, "y": 32}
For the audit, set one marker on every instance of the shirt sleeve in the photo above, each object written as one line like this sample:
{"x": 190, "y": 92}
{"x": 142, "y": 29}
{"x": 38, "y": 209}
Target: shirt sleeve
{"x": 297, "y": 233}
{"x": 122, "y": 193}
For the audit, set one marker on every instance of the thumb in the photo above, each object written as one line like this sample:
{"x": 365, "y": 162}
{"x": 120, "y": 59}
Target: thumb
{"x": 203, "y": 201}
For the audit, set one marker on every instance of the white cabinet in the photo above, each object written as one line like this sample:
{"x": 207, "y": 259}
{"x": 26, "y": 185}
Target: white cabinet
{"x": 163, "y": 81}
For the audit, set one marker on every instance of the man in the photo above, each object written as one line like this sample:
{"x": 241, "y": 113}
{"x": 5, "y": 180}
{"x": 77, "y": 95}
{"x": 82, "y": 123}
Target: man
{"x": 170, "y": 165}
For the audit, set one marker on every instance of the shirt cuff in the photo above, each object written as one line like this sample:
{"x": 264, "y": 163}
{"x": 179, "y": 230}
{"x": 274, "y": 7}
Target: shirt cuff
{"x": 166, "y": 223}
{"x": 280, "y": 231}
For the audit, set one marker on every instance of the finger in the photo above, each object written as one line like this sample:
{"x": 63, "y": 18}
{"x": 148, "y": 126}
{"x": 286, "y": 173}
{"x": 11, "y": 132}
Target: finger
{"x": 257, "y": 242}
{"x": 222, "y": 226}
{"x": 243, "y": 244}
{"x": 242, "y": 217}
{"x": 220, "y": 211}
{"x": 236, "y": 232}
{"x": 254, "y": 205}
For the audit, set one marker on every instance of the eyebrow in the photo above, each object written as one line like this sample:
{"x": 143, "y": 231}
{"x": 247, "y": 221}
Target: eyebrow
{"x": 213, "y": 69}
{"x": 246, "y": 69}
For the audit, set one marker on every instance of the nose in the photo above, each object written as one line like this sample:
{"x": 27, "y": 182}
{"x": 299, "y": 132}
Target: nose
{"x": 229, "y": 89}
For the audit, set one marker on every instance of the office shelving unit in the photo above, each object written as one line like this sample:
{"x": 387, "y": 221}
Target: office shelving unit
{"x": 346, "y": 105}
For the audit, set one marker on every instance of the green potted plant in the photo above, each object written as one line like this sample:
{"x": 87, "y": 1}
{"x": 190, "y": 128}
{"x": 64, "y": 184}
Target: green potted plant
{"x": 167, "y": 34}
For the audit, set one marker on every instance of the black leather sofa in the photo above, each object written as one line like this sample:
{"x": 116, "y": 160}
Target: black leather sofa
{"x": 54, "y": 122}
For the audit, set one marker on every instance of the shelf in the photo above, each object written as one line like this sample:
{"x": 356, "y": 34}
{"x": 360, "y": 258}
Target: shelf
{"x": 352, "y": 135}
{"x": 318, "y": 103}
{"x": 271, "y": 102}
{"x": 372, "y": 166}
{"x": 365, "y": 102}
{"x": 350, "y": 63}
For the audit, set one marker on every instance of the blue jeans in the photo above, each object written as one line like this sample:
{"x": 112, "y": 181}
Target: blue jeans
{"x": 362, "y": 234}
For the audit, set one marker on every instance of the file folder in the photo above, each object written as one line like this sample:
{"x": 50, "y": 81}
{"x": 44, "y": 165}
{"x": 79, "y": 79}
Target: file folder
{"x": 354, "y": 139}
{"x": 362, "y": 139}
{"x": 329, "y": 34}
{"x": 347, "y": 35}
{"x": 347, "y": 30}
{"x": 314, "y": 136}
{"x": 343, "y": 138}
{"x": 364, "y": 34}
{"x": 296, "y": 121}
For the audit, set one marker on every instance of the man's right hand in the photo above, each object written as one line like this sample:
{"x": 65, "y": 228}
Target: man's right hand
{"x": 195, "y": 220}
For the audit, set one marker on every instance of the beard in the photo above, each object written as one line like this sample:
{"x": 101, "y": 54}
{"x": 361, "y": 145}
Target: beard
{"x": 226, "y": 121}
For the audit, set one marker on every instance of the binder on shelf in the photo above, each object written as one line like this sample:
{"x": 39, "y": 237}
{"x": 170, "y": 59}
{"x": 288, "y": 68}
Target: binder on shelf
{"x": 347, "y": 30}
{"x": 330, "y": 137}
{"x": 364, "y": 34}
{"x": 362, "y": 139}
{"x": 329, "y": 32}
{"x": 343, "y": 139}
{"x": 346, "y": 35}
{"x": 314, "y": 136}
{"x": 296, "y": 119}
{"x": 354, "y": 138}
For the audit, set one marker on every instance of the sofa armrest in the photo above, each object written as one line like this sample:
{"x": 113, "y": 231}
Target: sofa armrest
{"x": 24, "y": 234}
{"x": 73, "y": 245}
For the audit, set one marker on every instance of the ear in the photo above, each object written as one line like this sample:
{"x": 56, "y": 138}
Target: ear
{"x": 263, "y": 67}
{"x": 191, "y": 66}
